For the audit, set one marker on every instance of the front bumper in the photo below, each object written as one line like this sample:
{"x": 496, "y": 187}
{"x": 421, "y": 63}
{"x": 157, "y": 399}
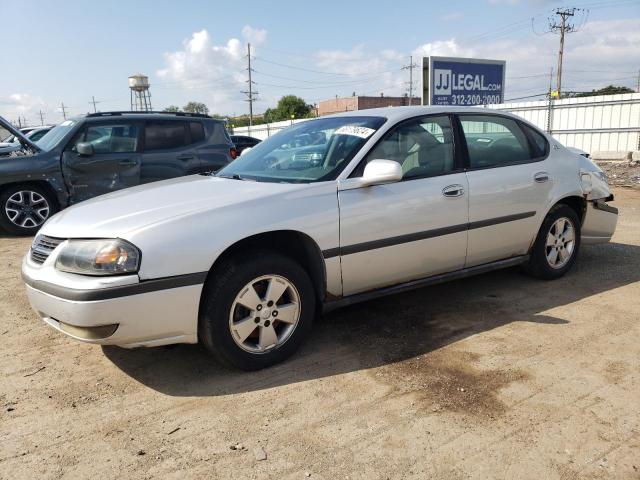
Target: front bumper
{"x": 119, "y": 311}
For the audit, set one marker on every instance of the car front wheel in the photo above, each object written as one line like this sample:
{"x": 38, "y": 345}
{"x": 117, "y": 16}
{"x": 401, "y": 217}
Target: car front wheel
{"x": 257, "y": 309}
{"x": 24, "y": 208}
{"x": 557, "y": 244}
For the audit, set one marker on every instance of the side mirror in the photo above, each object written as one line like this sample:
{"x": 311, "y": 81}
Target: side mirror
{"x": 84, "y": 148}
{"x": 378, "y": 172}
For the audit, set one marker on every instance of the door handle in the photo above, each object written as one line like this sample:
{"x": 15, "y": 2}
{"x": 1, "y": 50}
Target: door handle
{"x": 126, "y": 162}
{"x": 185, "y": 157}
{"x": 453, "y": 191}
{"x": 541, "y": 177}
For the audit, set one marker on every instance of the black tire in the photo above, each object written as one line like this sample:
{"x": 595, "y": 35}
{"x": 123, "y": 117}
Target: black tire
{"x": 12, "y": 225}
{"x": 220, "y": 291}
{"x": 538, "y": 264}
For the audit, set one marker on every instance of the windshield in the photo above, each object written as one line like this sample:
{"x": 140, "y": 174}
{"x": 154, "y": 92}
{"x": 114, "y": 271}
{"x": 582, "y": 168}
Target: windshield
{"x": 312, "y": 151}
{"x": 53, "y": 136}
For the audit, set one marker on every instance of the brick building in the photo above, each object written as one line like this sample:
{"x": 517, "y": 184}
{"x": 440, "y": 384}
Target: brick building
{"x": 348, "y": 104}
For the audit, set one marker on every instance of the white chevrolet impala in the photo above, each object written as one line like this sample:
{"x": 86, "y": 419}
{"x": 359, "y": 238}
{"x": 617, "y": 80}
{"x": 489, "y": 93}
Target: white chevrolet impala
{"x": 328, "y": 212}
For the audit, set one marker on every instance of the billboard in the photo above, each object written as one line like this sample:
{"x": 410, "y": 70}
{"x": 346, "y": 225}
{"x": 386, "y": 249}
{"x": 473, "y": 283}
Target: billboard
{"x": 462, "y": 81}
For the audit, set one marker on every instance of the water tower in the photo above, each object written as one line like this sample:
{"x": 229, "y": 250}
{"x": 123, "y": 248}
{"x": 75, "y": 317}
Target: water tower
{"x": 140, "y": 95}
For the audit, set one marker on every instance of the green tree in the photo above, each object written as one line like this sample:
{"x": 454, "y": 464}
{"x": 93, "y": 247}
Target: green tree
{"x": 610, "y": 90}
{"x": 287, "y": 106}
{"x": 196, "y": 107}
{"x": 172, "y": 108}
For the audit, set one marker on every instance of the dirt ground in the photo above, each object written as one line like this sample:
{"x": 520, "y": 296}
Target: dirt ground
{"x": 497, "y": 376}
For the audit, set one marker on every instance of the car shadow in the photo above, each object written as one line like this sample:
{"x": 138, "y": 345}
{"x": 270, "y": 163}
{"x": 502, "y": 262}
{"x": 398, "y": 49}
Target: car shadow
{"x": 394, "y": 328}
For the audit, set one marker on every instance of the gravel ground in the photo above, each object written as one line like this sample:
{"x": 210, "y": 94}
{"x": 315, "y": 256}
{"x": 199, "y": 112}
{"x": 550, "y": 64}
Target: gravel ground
{"x": 497, "y": 376}
{"x": 623, "y": 174}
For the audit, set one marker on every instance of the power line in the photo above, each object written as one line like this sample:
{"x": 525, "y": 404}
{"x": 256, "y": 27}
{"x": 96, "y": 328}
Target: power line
{"x": 410, "y": 67}
{"x": 64, "y": 111}
{"x": 250, "y": 93}
{"x": 94, "y": 101}
{"x": 563, "y": 27}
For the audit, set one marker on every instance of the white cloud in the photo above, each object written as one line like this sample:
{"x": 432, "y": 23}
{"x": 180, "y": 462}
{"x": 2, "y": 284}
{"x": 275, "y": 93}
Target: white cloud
{"x": 450, "y": 17}
{"x": 22, "y": 105}
{"x": 213, "y": 74}
{"x": 443, "y": 48}
{"x": 601, "y": 53}
{"x": 254, "y": 35}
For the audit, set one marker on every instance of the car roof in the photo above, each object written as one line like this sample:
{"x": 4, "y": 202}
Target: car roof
{"x": 146, "y": 116}
{"x": 401, "y": 113}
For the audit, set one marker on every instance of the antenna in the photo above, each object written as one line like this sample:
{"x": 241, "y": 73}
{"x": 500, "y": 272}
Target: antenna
{"x": 251, "y": 95}
{"x": 410, "y": 67}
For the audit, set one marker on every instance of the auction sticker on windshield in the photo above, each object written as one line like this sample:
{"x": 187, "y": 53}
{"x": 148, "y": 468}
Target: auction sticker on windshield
{"x": 356, "y": 131}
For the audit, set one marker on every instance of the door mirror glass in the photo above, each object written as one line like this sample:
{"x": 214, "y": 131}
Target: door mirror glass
{"x": 378, "y": 172}
{"x": 84, "y": 148}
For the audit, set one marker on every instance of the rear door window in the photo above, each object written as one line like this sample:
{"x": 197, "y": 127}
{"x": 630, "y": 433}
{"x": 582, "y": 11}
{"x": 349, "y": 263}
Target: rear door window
{"x": 494, "y": 141}
{"x": 197, "y": 132}
{"x": 164, "y": 135}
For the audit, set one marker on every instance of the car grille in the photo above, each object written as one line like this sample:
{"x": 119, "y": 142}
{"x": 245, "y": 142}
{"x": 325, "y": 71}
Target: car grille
{"x": 43, "y": 246}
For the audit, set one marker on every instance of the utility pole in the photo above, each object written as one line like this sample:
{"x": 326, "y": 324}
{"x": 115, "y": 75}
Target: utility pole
{"x": 94, "y": 101}
{"x": 64, "y": 111}
{"x": 41, "y": 118}
{"x": 638, "y": 87}
{"x": 410, "y": 67}
{"x": 250, "y": 93}
{"x": 563, "y": 27}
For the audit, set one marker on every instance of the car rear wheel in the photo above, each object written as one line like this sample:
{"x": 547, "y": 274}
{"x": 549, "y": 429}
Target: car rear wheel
{"x": 556, "y": 247}
{"x": 24, "y": 208}
{"x": 257, "y": 310}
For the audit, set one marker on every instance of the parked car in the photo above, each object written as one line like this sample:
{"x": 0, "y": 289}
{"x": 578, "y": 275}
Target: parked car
{"x": 243, "y": 260}
{"x": 99, "y": 153}
{"x": 34, "y": 134}
{"x": 242, "y": 141}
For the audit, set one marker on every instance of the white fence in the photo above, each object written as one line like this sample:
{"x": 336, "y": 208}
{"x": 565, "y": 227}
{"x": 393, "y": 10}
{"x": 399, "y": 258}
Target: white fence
{"x": 602, "y": 123}
{"x": 266, "y": 130}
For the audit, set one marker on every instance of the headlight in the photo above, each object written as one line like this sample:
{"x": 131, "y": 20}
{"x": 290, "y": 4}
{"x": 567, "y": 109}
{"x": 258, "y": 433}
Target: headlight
{"x": 98, "y": 257}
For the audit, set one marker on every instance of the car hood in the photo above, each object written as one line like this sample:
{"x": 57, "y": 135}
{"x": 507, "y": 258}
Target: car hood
{"x": 19, "y": 135}
{"x": 122, "y": 213}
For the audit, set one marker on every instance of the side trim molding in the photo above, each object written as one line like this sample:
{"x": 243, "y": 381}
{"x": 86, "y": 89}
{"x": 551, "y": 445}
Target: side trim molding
{"x": 423, "y": 282}
{"x": 414, "y": 237}
{"x": 145, "y": 286}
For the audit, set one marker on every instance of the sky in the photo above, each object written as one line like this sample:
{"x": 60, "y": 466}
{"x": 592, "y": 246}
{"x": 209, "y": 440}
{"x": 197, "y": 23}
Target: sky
{"x": 70, "y": 51}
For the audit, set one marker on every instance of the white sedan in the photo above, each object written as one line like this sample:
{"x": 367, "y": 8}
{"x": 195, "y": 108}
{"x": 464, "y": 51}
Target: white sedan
{"x": 325, "y": 213}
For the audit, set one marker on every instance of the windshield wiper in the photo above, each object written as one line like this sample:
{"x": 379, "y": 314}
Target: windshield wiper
{"x": 235, "y": 176}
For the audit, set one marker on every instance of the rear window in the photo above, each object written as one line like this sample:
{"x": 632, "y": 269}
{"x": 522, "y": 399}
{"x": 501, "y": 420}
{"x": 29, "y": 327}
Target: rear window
{"x": 164, "y": 135}
{"x": 197, "y": 132}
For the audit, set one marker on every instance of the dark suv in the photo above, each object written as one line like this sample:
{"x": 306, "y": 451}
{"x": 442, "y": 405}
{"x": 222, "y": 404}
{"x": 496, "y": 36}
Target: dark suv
{"x": 99, "y": 153}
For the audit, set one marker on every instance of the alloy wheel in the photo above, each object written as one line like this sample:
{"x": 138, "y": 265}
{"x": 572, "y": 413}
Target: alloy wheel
{"x": 264, "y": 314}
{"x": 27, "y": 209}
{"x": 561, "y": 241}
